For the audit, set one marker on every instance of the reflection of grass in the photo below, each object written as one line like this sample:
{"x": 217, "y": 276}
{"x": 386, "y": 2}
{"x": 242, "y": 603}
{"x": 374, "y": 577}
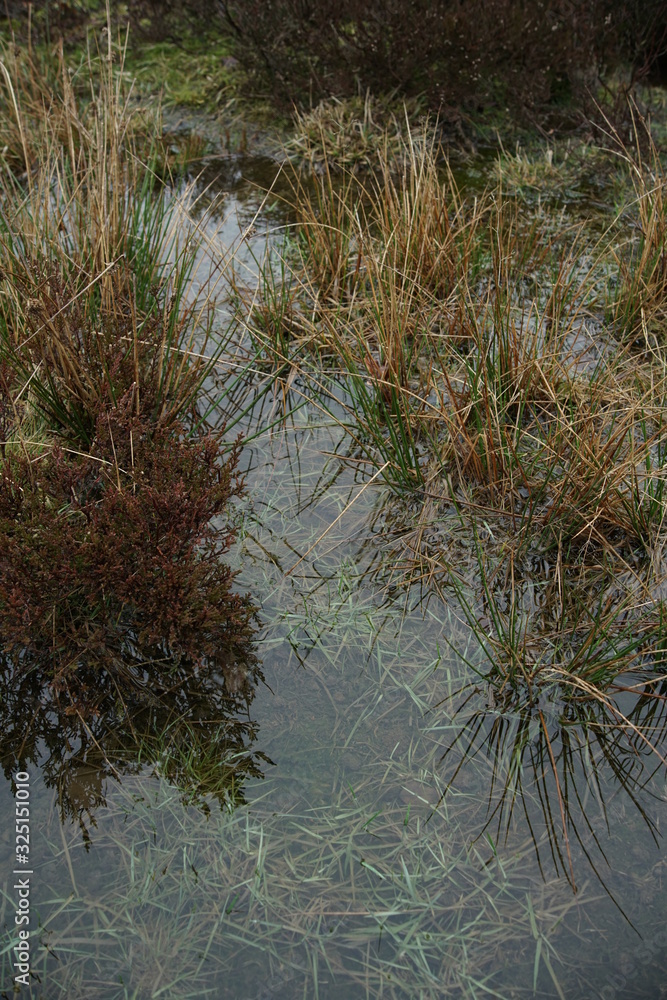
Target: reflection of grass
{"x": 192, "y": 726}
{"x": 558, "y": 650}
{"x": 355, "y": 885}
{"x": 559, "y": 668}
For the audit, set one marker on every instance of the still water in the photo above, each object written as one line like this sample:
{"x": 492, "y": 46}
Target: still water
{"x": 346, "y": 821}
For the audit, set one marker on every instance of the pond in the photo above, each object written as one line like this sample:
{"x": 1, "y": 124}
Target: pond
{"x": 359, "y": 816}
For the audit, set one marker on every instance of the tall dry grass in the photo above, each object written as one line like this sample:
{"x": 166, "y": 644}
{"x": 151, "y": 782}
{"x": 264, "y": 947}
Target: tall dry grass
{"x": 466, "y": 337}
{"x": 96, "y": 258}
{"x": 640, "y": 306}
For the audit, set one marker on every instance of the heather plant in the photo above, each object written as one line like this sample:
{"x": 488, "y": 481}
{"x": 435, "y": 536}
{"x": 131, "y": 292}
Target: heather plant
{"x": 115, "y": 550}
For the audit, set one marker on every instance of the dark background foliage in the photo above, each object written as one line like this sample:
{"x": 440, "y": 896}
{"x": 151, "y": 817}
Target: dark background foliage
{"x": 526, "y": 55}
{"x": 459, "y": 53}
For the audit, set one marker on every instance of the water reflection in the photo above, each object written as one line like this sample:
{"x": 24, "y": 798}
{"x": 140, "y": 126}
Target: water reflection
{"x": 570, "y": 764}
{"x": 192, "y": 725}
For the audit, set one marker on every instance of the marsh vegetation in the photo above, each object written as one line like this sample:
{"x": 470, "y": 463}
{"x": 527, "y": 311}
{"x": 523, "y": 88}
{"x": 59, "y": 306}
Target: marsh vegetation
{"x": 332, "y": 520}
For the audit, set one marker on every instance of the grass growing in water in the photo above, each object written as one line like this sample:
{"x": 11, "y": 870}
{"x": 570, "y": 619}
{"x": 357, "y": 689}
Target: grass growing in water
{"x": 479, "y": 379}
{"x": 468, "y": 340}
{"x": 97, "y": 266}
{"x": 640, "y": 309}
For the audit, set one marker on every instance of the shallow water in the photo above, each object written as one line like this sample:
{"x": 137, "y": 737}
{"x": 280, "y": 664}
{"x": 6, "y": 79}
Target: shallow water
{"x": 344, "y": 853}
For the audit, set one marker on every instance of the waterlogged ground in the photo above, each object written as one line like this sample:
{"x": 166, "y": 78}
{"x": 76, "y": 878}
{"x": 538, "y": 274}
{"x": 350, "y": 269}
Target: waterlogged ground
{"x": 346, "y": 847}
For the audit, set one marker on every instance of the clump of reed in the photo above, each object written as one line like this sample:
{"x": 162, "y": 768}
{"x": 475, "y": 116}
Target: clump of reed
{"x": 640, "y": 307}
{"x": 466, "y": 339}
{"x": 96, "y": 266}
{"x": 546, "y": 172}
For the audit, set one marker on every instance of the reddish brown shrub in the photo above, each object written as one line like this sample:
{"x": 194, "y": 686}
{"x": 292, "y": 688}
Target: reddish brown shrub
{"x": 117, "y": 550}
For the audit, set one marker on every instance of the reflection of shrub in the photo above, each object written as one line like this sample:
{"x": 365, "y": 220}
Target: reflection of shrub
{"x": 187, "y": 726}
{"x": 116, "y": 549}
{"x": 527, "y": 53}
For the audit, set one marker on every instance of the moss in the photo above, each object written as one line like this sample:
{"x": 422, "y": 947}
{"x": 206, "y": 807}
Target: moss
{"x": 199, "y": 74}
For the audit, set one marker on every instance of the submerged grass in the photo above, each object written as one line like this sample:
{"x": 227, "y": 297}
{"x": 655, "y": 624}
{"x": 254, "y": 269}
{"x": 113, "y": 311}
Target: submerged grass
{"x": 350, "y": 887}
